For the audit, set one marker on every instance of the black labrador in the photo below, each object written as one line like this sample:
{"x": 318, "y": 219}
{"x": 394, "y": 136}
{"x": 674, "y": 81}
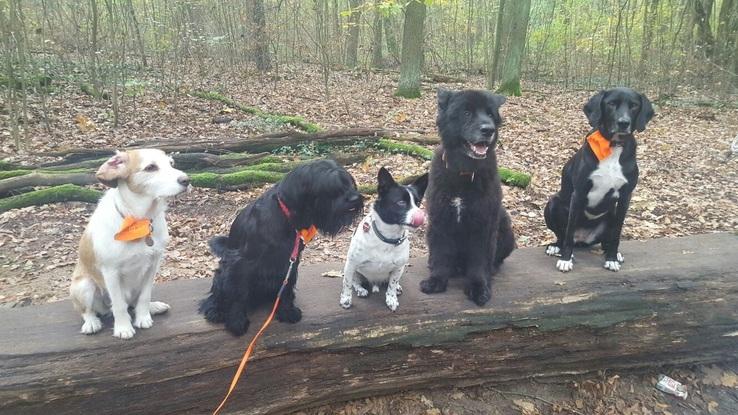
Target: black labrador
{"x": 597, "y": 182}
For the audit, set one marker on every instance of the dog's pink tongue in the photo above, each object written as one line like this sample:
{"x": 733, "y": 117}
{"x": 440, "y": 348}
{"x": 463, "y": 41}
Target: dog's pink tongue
{"x": 480, "y": 148}
{"x": 418, "y": 218}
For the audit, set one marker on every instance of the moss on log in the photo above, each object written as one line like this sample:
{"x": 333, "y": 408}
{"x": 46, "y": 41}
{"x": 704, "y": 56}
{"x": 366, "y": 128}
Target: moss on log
{"x": 514, "y": 178}
{"x": 41, "y": 178}
{"x": 238, "y": 179}
{"x": 7, "y": 174}
{"x": 63, "y": 193}
{"x": 292, "y": 120}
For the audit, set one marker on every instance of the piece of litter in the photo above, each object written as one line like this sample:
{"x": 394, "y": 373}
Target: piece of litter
{"x": 671, "y": 386}
{"x": 332, "y": 274}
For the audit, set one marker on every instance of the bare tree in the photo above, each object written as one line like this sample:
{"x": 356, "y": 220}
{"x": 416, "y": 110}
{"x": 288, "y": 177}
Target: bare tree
{"x": 411, "y": 63}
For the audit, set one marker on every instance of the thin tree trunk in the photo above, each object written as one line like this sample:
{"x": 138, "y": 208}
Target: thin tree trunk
{"x": 352, "y": 42}
{"x": 519, "y": 13}
{"x": 377, "y": 36}
{"x": 492, "y": 73}
{"x": 261, "y": 41}
{"x": 412, "y": 50}
{"x": 391, "y": 37}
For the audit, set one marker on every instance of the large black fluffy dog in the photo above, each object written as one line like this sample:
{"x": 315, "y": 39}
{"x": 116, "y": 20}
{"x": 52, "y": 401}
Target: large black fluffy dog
{"x": 254, "y": 257}
{"x": 469, "y": 232}
{"x": 597, "y": 182}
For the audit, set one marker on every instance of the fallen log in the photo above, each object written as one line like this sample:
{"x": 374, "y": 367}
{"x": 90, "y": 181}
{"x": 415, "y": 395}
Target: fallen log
{"x": 673, "y": 303}
{"x": 264, "y": 142}
{"x": 46, "y": 179}
{"x": 63, "y": 193}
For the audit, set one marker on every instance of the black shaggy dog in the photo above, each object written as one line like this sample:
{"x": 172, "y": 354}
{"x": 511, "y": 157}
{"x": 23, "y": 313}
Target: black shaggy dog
{"x": 254, "y": 257}
{"x": 469, "y": 232}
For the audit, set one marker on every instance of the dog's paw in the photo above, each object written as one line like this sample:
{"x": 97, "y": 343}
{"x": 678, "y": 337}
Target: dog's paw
{"x": 361, "y": 291}
{"x": 620, "y": 258}
{"x": 143, "y": 322}
{"x": 553, "y": 250}
{"x": 289, "y": 315}
{"x": 123, "y": 331}
{"x": 345, "y": 300}
{"x": 612, "y": 265}
{"x": 399, "y": 289}
{"x": 91, "y": 325}
{"x": 565, "y": 266}
{"x": 391, "y": 301}
{"x": 375, "y": 288}
{"x": 238, "y": 326}
{"x": 433, "y": 285}
{"x": 157, "y": 307}
{"x": 480, "y": 294}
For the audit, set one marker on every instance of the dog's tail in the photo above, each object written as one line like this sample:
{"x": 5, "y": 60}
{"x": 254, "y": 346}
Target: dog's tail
{"x": 218, "y": 245}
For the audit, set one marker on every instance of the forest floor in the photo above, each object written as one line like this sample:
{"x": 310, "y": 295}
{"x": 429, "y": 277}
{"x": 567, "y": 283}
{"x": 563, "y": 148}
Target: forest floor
{"x": 687, "y": 186}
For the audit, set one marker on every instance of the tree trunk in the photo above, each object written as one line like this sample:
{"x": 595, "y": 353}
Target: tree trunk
{"x": 517, "y": 14}
{"x": 673, "y": 303}
{"x": 261, "y": 40}
{"x": 411, "y": 63}
{"x": 377, "y": 36}
{"x": 352, "y": 42}
{"x": 391, "y": 37}
{"x": 492, "y": 73}
{"x": 701, "y": 16}
{"x": 649, "y": 22}
{"x": 727, "y": 32}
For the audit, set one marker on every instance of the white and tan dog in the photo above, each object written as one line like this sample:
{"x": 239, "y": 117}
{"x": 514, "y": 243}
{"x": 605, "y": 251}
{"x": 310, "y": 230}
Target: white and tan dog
{"x": 123, "y": 244}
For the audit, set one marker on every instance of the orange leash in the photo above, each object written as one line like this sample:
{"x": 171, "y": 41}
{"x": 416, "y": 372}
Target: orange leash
{"x": 247, "y": 354}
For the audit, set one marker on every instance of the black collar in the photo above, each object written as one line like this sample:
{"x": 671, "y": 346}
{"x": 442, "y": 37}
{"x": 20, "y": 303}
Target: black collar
{"x": 391, "y": 241}
{"x": 461, "y": 173}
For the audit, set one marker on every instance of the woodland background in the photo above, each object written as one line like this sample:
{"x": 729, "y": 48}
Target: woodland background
{"x": 104, "y": 74}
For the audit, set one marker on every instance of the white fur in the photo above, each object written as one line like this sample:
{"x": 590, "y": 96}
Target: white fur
{"x": 553, "y": 250}
{"x": 588, "y": 235}
{"x": 565, "y": 266}
{"x": 376, "y": 260}
{"x": 127, "y": 268}
{"x": 456, "y": 203}
{"x": 608, "y": 175}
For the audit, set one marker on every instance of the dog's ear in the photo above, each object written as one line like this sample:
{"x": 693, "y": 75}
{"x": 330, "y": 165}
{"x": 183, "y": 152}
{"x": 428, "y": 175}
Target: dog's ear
{"x": 420, "y": 184}
{"x": 384, "y": 180}
{"x": 645, "y": 114}
{"x": 115, "y": 168}
{"x": 593, "y": 109}
{"x": 444, "y": 96}
{"x": 496, "y": 101}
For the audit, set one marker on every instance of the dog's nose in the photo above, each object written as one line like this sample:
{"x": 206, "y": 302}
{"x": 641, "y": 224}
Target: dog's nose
{"x": 623, "y": 124}
{"x": 487, "y": 130}
{"x": 184, "y": 181}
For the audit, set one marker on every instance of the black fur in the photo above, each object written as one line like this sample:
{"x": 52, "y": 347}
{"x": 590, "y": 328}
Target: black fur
{"x": 474, "y": 242}
{"x": 393, "y": 201}
{"x": 254, "y": 257}
{"x": 616, "y": 113}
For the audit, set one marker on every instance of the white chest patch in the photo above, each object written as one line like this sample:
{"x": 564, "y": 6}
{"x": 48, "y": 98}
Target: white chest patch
{"x": 607, "y": 176}
{"x": 456, "y": 204}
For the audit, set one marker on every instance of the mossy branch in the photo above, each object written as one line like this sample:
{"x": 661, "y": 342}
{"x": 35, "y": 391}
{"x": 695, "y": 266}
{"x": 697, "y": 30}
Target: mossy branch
{"x": 63, "y": 193}
{"x": 293, "y": 120}
{"x": 238, "y": 179}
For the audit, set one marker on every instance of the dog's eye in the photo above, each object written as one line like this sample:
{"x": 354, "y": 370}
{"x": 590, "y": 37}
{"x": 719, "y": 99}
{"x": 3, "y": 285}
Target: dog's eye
{"x": 633, "y": 105}
{"x": 611, "y": 104}
{"x": 467, "y": 114}
{"x": 401, "y": 203}
{"x": 151, "y": 167}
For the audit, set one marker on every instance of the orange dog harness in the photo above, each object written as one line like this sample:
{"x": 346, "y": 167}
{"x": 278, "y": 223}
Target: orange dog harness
{"x": 600, "y": 145}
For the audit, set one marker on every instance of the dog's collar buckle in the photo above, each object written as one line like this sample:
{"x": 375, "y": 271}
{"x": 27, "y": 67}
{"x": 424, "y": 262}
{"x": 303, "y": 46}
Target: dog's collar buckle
{"x": 391, "y": 241}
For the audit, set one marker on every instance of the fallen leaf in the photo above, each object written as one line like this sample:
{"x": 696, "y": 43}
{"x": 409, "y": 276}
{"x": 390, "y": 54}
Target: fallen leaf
{"x": 526, "y": 407}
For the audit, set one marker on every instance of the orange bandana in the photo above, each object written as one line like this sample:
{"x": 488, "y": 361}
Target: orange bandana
{"x": 134, "y": 229}
{"x": 600, "y": 145}
{"x": 309, "y": 233}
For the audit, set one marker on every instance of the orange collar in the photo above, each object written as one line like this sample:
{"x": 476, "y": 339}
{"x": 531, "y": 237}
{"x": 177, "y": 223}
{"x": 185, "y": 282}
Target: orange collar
{"x": 600, "y": 145}
{"x": 133, "y": 229}
{"x": 306, "y": 234}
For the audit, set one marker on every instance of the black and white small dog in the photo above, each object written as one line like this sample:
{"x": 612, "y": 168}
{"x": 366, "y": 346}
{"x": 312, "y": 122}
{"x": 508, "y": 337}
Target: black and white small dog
{"x": 469, "y": 231}
{"x": 254, "y": 257}
{"x": 597, "y": 182}
{"x": 380, "y": 248}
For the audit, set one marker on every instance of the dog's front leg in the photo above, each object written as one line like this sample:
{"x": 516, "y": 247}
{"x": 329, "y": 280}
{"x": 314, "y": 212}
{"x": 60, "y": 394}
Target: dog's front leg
{"x": 479, "y": 269}
{"x": 576, "y": 207}
{"x": 288, "y": 312}
{"x": 350, "y": 282}
{"x": 441, "y": 262}
{"x": 393, "y": 288}
{"x": 122, "y": 327}
{"x": 611, "y": 244}
{"x": 144, "y": 306}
